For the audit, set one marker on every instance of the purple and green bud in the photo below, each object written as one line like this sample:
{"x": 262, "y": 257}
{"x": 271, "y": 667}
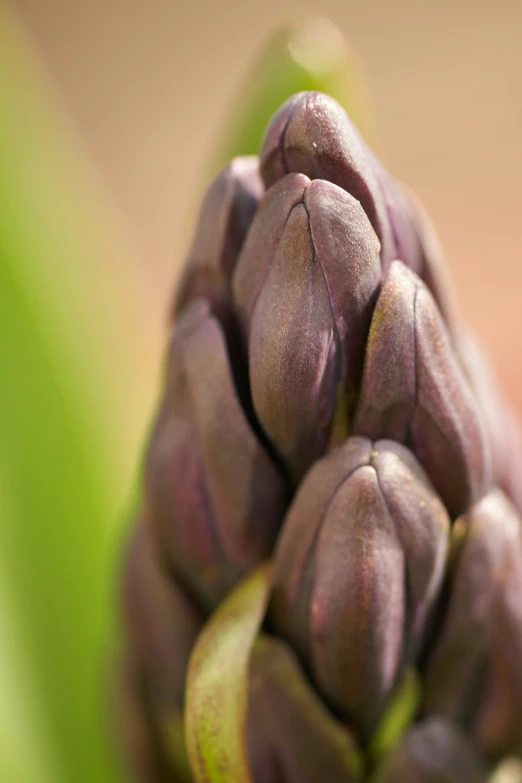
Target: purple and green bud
{"x": 498, "y": 727}
{"x": 414, "y": 391}
{"x": 213, "y": 497}
{"x": 161, "y": 627}
{"x": 323, "y": 411}
{"x": 463, "y": 679}
{"x": 311, "y": 134}
{"x": 292, "y": 736}
{"x": 305, "y": 286}
{"x": 358, "y": 567}
{"x": 225, "y": 217}
{"x": 500, "y": 423}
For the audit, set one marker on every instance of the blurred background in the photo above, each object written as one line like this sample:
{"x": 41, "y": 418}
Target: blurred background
{"x": 113, "y": 114}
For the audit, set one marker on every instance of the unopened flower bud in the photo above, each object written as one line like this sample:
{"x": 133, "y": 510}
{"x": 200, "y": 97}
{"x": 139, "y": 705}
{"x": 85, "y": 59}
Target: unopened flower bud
{"x": 292, "y": 736}
{"x": 358, "y": 568}
{"x": 414, "y": 391}
{"x": 498, "y": 726}
{"x": 456, "y": 671}
{"x": 305, "y": 286}
{"x": 311, "y": 134}
{"x": 225, "y": 217}
{"x": 161, "y": 627}
{"x": 214, "y": 498}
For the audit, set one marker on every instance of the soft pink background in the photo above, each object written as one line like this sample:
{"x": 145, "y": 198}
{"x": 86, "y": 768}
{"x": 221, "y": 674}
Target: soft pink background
{"x": 147, "y": 83}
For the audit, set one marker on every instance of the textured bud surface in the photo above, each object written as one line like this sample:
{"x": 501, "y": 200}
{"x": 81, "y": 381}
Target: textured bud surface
{"x": 414, "y": 391}
{"x": 291, "y": 734}
{"x": 225, "y": 217}
{"x": 357, "y": 568}
{"x": 308, "y": 318}
{"x": 213, "y": 496}
{"x": 456, "y": 667}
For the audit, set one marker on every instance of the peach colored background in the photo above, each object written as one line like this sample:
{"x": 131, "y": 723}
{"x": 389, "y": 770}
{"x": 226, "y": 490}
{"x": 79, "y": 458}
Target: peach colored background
{"x": 147, "y": 82}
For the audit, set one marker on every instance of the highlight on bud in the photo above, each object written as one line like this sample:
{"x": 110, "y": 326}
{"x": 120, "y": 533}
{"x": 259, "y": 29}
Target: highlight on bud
{"x": 414, "y": 391}
{"x": 358, "y": 568}
{"x": 213, "y": 497}
{"x": 305, "y": 286}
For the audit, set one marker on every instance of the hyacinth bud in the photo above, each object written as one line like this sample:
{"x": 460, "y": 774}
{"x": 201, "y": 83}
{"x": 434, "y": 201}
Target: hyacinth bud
{"x": 358, "y": 567}
{"x": 305, "y": 286}
{"x": 434, "y": 269}
{"x": 161, "y": 626}
{"x": 292, "y": 736}
{"x": 214, "y": 499}
{"x": 226, "y": 213}
{"x": 499, "y": 723}
{"x": 316, "y": 360}
{"x": 456, "y": 672}
{"x": 434, "y": 751}
{"x": 312, "y": 134}
{"x": 413, "y": 390}
{"x": 501, "y": 425}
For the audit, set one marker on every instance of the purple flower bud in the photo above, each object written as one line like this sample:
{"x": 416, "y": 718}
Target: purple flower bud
{"x": 292, "y": 737}
{"x": 161, "y": 627}
{"x": 455, "y": 672}
{"x": 500, "y": 423}
{"x": 433, "y": 267}
{"x": 214, "y": 499}
{"x": 225, "y": 217}
{"x": 414, "y": 391}
{"x": 305, "y": 286}
{"x": 358, "y": 567}
{"x": 499, "y": 723}
{"x": 434, "y": 751}
{"x": 311, "y": 134}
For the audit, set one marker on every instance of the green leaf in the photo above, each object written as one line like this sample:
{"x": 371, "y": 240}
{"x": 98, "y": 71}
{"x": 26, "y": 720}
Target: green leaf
{"x": 217, "y": 684}
{"x": 399, "y": 715}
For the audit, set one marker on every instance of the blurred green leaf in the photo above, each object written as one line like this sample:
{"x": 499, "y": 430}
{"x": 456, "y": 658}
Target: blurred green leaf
{"x": 75, "y": 338}
{"x": 311, "y": 55}
{"x": 217, "y": 684}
